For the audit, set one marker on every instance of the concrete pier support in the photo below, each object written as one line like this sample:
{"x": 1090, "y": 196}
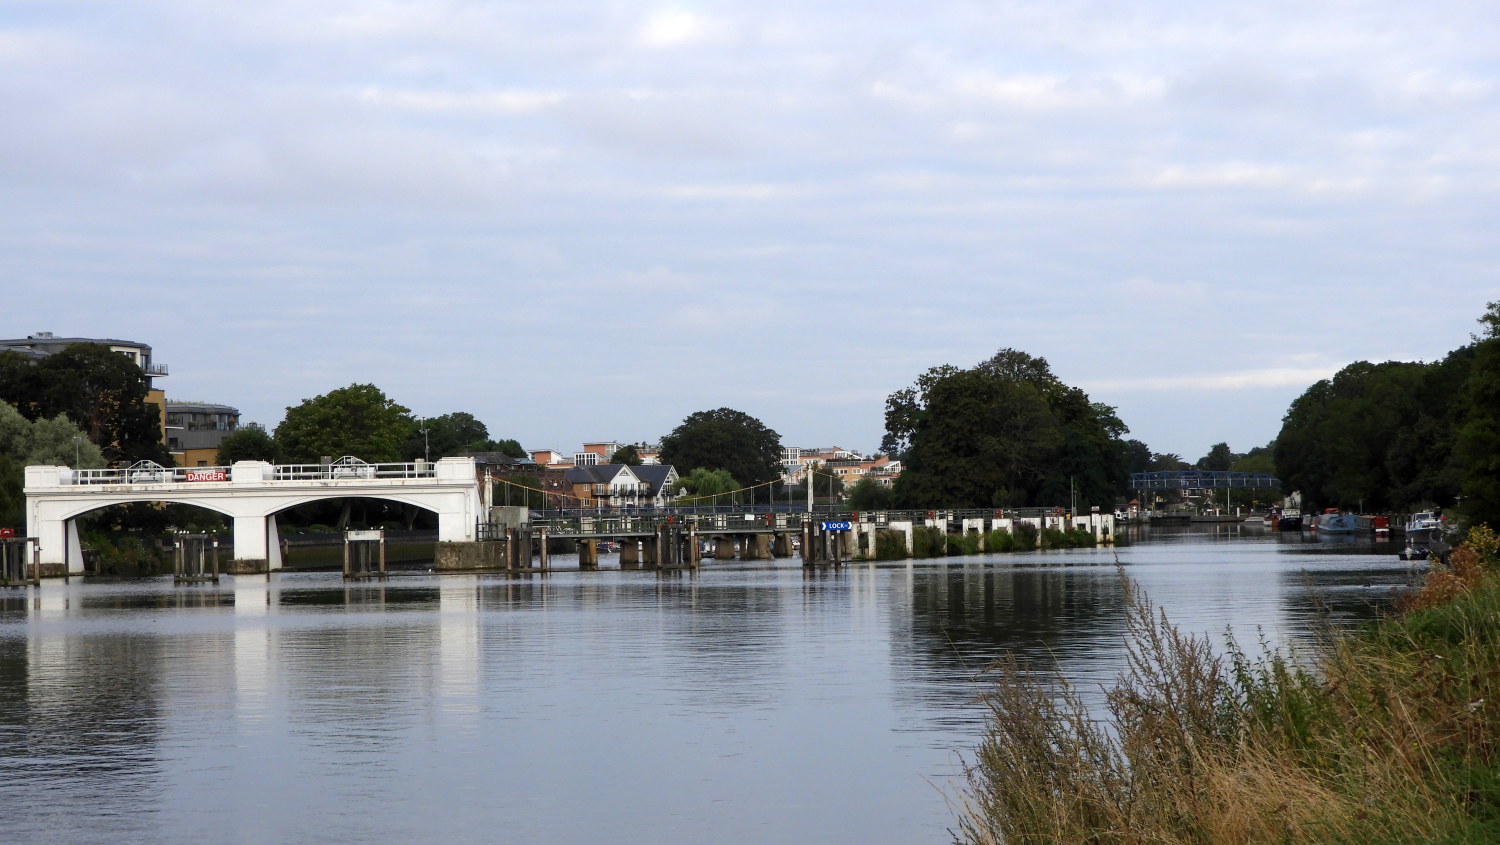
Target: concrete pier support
{"x": 588, "y": 554}
{"x": 252, "y": 546}
{"x": 724, "y": 548}
{"x": 757, "y": 547}
{"x": 781, "y": 545}
{"x": 630, "y": 553}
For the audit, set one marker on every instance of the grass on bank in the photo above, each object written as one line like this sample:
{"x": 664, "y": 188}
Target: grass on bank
{"x": 1387, "y": 733}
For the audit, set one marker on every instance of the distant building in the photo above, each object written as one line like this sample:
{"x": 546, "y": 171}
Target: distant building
{"x": 195, "y": 430}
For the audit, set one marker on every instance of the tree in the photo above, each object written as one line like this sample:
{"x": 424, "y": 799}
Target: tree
{"x": 356, "y": 420}
{"x": 1479, "y": 436}
{"x": 251, "y": 443}
{"x": 102, "y": 392}
{"x": 1336, "y": 437}
{"x": 1218, "y": 459}
{"x": 867, "y": 494}
{"x": 825, "y": 482}
{"x": 446, "y": 435}
{"x": 52, "y": 441}
{"x": 709, "y": 487}
{"x": 724, "y": 439}
{"x": 1004, "y": 432}
{"x": 628, "y": 455}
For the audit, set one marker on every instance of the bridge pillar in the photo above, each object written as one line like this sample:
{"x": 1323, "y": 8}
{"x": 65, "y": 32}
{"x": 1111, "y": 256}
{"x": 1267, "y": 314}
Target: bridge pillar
{"x": 251, "y": 545}
{"x": 757, "y": 547}
{"x": 588, "y": 554}
{"x": 781, "y": 545}
{"x": 630, "y": 553}
{"x": 724, "y": 548}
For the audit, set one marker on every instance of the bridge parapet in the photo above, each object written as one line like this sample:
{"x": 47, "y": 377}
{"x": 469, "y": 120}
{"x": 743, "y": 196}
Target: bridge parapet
{"x": 242, "y": 472}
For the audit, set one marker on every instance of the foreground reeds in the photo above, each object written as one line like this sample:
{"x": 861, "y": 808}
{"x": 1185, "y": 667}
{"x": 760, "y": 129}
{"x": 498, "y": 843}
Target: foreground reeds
{"x": 1387, "y": 733}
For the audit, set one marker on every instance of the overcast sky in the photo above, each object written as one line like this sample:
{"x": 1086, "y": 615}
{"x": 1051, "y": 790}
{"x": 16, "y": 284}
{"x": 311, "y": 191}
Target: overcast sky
{"x": 586, "y": 220}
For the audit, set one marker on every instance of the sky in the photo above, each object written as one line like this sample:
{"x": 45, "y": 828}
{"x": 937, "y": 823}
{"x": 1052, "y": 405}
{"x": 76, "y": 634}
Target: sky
{"x": 584, "y": 221}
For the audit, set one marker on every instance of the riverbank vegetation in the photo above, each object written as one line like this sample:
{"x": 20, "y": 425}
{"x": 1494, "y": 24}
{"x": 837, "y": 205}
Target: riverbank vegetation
{"x": 1388, "y": 733}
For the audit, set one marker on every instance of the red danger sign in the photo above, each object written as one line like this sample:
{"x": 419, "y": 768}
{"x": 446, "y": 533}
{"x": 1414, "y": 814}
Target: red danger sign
{"x": 206, "y": 475}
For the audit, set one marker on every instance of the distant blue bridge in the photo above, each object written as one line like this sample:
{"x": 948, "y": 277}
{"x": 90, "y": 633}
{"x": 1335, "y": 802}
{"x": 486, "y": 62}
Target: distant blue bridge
{"x": 1194, "y": 479}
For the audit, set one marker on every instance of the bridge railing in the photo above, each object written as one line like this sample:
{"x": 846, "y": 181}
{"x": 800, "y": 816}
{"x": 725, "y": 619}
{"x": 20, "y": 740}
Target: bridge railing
{"x": 347, "y": 472}
{"x": 281, "y": 472}
{"x": 142, "y": 475}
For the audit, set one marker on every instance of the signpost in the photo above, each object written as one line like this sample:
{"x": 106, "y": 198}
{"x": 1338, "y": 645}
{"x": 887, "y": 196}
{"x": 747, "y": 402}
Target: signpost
{"x": 836, "y": 526}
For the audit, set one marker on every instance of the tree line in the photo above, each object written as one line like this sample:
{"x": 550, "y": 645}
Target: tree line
{"x": 1400, "y": 435}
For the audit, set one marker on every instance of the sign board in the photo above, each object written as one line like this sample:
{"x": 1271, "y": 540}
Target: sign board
{"x": 207, "y": 475}
{"x": 355, "y": 536}
{"x": 836, "y": 526}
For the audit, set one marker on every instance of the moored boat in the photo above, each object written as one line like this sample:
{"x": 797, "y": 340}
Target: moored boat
{"x": 1423, "y": 526}
{"x": 1335, "y": 521}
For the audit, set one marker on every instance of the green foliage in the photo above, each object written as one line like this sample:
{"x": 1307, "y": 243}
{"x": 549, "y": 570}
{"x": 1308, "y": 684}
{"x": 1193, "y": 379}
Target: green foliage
{"x": 1000, "y": 540}
{"x": 52, "y": 441}
{"x": 1024, "y": 536}
{"x": 708, "y": 487}
{"x": 446, "y": 435}
{"x": 628, "y": 455}
{"x": 890, "y": 545}
{"x": 508, "y": 446}
{"x": 928, "y": 541}
{"x": 1218, "y": 459}
{"x": 1378, "y": 435}
{"x": 1003, "y": 433}
{"x": 101, "y": 392}
{"x": 1479, "y": 436}
{"x": 1390, "y": 738}
{"x": 724, "y": 439}
{"x": 867, "y": 494}
{"x": 251, "y": 443}
{"x": 356, "y": 420}
{"x": 966, "y": 543}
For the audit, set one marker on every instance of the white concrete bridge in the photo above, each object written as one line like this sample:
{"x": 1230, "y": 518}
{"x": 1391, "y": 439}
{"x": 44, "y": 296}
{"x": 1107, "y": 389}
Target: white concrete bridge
{"x": 251, "y": 493}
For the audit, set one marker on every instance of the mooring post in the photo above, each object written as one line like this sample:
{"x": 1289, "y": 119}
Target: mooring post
{"x": 542, "y": 559}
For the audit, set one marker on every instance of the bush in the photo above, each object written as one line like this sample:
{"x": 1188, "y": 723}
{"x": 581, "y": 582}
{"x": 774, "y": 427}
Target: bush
{"x": 1387, "y": 734}
{"x": 966, "y": 543}
{"x": 1025, "y": 536}
{"x": 1000, "y": 540}
{"x": 928, "y": 541}
{"x": 890, "y": 545}
{"x": 1053, "y": 538}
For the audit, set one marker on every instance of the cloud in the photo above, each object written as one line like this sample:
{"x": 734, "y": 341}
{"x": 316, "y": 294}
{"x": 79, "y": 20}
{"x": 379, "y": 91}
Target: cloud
{"x": 1243, "y": 380}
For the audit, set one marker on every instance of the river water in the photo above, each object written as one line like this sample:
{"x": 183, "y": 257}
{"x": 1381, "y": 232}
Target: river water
{"x": 746, "y": 703}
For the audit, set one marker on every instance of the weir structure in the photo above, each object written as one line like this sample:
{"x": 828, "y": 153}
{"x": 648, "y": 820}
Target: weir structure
{"x": 251, "y": 493}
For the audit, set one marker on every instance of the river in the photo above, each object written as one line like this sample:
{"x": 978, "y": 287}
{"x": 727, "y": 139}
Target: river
{"x": 750, "y": 702}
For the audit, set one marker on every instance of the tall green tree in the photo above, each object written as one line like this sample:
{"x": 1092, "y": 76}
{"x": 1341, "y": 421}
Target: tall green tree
{"x": 1219, "y": 459}
{"x": 724, "y": 439}
{"x": 357, "y": 420}
{"x": 1004, "y": 432}
{"x": 55, "y": 441}
{"x": 102, "y": 392}
{"x": 1479, "y": 436}
{"x": 1336, "y": 437}
{"x": 867, "y": 494}
{"x": 445, "y": 435}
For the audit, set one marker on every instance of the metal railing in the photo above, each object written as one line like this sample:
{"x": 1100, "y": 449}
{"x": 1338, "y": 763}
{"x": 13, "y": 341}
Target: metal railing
{"x": 280, "y": 472}
{"x": 348, "y": 472}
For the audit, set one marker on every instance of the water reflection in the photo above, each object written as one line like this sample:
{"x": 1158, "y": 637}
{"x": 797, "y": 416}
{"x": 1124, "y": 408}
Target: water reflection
{"x": 747, "y": 702}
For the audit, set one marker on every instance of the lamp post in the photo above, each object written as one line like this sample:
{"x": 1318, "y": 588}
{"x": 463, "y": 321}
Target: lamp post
{"x": 76, "y": 442}
{"x": 426, "y": 453}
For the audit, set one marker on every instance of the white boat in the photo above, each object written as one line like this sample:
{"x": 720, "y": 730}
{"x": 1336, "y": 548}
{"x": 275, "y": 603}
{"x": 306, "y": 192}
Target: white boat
{"x": 1423, "y": 526}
